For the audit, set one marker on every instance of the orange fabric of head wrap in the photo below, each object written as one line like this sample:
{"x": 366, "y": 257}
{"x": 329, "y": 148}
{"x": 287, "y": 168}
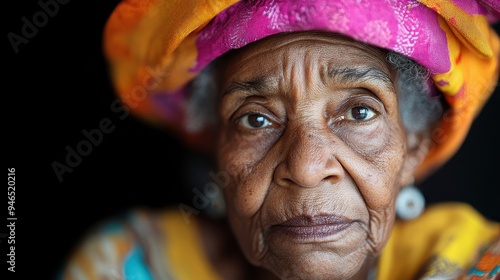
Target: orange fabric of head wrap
{"x": 156, "y": 47}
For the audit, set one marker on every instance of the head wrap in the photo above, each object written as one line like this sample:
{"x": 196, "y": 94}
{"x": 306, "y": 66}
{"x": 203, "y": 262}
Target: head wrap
{"x": 156, "y": 47}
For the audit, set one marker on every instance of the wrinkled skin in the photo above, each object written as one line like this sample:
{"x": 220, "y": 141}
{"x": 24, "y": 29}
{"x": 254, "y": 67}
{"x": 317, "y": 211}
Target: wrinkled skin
{"x": 309, "y": 127}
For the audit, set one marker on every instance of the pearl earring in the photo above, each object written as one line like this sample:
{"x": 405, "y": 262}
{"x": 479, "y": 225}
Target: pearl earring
{"x": 410, "y": 203}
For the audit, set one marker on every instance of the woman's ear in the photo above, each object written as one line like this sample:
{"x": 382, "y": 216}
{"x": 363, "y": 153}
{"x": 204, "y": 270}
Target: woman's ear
{"x": 418, "y": 145}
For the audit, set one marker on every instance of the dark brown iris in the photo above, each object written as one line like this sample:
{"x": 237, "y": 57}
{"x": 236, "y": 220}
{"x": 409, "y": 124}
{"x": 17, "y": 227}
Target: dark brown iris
{"x": 256, "y": 120}
{"x": 359, "y": 113}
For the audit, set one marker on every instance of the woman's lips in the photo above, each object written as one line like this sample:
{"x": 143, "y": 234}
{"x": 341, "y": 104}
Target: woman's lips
{"x": 316, "y": 228}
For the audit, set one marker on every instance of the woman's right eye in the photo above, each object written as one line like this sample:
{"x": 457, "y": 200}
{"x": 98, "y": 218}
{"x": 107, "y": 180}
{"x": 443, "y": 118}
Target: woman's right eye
{"x": 254, "y": 121}
{"x": 360, "y": 113}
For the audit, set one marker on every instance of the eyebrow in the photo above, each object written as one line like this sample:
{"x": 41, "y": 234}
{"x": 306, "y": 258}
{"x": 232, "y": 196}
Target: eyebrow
{"x": 360, "y": 74}
{"x": 258, "y": 84}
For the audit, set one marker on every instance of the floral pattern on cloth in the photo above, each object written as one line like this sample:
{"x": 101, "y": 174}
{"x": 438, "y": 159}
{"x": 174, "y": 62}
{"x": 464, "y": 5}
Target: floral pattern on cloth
{"x": 441, "y": 268}
{"x": 396, "y": 26}
{"x": 488, "y": 265}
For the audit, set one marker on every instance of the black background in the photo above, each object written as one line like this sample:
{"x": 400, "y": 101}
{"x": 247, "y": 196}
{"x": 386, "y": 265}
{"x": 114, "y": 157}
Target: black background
{"x": 57, "y": 85}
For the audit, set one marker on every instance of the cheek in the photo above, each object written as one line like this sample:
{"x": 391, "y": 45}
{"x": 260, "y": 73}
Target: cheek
{"x": 378, "y": 176}
{"x": 382, "y": 149}
{"x": 249, "y": 174}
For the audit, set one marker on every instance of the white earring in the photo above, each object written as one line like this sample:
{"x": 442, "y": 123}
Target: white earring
{"x": 410, "y": 203}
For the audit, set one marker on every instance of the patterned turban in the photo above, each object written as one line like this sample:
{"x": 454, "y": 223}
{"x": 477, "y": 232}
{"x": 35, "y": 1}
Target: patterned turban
{"x": 156, "y": 47}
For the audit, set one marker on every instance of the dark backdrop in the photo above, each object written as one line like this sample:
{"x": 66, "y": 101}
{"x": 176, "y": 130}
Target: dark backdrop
{"x": 56, "y": 86}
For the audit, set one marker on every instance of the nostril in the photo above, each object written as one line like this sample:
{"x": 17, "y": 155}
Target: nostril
{"x": 287, "y": 182}
{"x": 333, "y": 179}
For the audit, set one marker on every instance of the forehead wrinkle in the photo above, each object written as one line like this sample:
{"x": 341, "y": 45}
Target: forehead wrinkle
{"x": 299, "y": 74}
{"x": 322, "y": 37}
{"x": 315, "y": 65}
{"x": 287, "y": 75}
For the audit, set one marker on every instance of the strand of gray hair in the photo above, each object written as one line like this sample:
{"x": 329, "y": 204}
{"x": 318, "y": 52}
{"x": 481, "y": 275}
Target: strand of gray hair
{"x": 419, "y": 110}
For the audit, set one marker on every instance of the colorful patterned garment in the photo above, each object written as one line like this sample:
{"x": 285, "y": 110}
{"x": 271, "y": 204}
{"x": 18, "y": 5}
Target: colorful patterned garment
{"x": 488, "y": 266}
{"x": 156, "y": 47}
{"x": 149, "y": 245}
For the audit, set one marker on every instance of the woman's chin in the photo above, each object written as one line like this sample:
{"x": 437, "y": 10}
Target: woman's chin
{"x": 336, "y": 256}
{"x": 316, "y": 265}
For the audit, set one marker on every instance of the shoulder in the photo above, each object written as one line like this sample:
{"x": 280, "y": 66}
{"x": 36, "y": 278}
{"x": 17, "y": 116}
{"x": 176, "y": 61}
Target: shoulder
{"x": 445, "y": 239}
{"x": 142, "y": 244}
{"x": 109, "y": 250}
{"x": 453, "y": 218}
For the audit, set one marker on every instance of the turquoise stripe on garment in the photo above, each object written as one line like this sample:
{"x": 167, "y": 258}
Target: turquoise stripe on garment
{"x": 495, "y": 270}
{"x": 475, "y": 272}
{"x": 135, "y": 267}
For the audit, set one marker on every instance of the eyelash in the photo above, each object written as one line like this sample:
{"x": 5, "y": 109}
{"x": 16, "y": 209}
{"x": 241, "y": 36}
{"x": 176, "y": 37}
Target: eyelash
{"x": 363, "y": 104}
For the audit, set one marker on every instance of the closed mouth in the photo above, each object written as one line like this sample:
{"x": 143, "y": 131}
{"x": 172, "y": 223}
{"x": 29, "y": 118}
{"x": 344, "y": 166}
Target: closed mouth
{"x": 313, "y": 228}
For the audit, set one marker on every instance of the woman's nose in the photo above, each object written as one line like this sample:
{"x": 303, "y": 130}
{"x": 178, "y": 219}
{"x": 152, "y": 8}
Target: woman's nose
{"x": 310, "y": 160}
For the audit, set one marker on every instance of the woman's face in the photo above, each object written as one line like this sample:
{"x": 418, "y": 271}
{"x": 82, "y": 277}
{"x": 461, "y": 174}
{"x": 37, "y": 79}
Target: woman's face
{"x": 315, "y": 150}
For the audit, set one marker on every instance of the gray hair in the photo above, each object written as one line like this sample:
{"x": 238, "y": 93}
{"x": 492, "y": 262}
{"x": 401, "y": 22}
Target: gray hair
{"x": 418, "y": 108}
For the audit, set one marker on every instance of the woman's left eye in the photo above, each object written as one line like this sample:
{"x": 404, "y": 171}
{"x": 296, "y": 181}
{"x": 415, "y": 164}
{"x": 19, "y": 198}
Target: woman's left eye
{"x": 360, "y": 113}
{"x": 254, "y": 121}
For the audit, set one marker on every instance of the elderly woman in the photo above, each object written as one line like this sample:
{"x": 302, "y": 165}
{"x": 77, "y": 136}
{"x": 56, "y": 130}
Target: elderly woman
{"x": 321, "y": 116}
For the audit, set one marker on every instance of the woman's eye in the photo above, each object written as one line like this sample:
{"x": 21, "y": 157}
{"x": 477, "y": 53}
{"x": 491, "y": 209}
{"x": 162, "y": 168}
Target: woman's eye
{"x": 254, "y": 120}
{"x": 360, "y": 113}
